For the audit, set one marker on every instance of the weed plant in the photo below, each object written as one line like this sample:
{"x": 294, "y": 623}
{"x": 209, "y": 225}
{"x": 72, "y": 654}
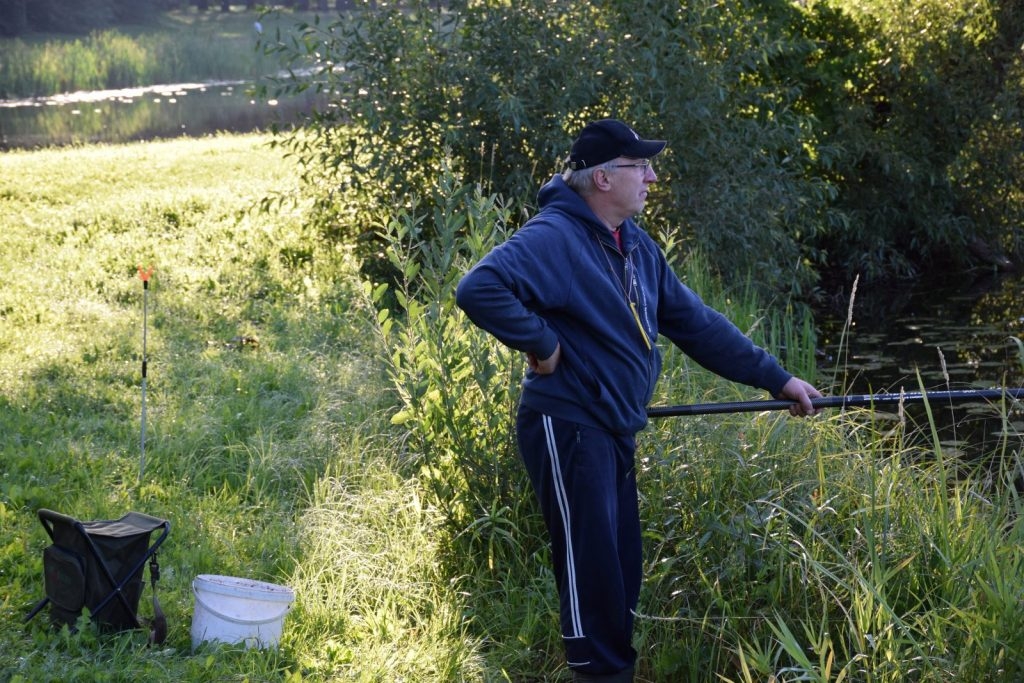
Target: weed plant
{"x": 353, "y": 441}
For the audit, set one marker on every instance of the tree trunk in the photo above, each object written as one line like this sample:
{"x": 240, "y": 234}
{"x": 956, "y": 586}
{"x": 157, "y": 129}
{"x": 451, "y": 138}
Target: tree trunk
{"x": 202, "y": 5}
{"x": 225, "y": 5}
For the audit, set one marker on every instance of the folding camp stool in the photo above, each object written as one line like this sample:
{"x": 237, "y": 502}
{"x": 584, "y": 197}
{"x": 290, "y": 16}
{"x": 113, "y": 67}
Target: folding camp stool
{"x": 99, "y": 565}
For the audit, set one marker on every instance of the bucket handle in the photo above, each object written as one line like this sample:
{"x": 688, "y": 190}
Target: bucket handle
{"x": 234, "y": 619}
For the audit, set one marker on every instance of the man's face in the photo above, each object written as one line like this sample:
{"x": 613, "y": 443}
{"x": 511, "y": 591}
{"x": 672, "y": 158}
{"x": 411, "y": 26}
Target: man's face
{"x": 630, "y": 179}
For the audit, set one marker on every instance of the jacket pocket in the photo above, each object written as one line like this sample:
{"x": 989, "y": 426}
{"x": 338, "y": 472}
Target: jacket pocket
{"x": 580, "y": 376}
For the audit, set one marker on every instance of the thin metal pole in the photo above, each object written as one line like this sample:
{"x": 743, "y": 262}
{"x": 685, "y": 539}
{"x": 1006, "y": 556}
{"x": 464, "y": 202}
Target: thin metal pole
{"x": 838, "y": 402}
{"x": 144, "y": 275}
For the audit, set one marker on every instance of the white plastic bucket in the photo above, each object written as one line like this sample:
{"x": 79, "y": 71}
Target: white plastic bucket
{"x": 233, "y": 610}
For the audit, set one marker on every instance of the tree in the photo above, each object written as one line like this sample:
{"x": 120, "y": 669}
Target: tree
{"x": 68, "y": 16}
{"x": 502, "y": 88}
{"x": 917, "y": 127}
{"x": 135, "y": 11}
{"x": 13, "y": 17}
{"x": 834, "y": 137}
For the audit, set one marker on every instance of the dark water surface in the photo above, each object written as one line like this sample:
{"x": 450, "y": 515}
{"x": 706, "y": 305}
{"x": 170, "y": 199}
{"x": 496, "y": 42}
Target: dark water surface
{"x": 145, "y": 113}
{"x": 956, "y": 334}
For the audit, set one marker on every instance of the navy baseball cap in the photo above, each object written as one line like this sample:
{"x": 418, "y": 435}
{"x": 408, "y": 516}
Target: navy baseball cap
{"x": 609, "y": 139}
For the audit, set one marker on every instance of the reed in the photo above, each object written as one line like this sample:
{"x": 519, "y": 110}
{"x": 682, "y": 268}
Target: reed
{"x": 182, "y": 49}
{"x": 828, "y": 551}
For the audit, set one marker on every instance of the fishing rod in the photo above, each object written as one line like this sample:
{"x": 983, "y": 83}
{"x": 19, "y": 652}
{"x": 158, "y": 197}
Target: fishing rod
{"x": 933, "y": 397}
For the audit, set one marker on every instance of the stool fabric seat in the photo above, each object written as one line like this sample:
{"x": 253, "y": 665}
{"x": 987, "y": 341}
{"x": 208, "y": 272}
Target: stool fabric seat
{"x": 99, "y": 565}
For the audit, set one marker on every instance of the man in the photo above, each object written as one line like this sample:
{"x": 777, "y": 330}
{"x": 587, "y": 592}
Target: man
{"x": 584, "y": 293}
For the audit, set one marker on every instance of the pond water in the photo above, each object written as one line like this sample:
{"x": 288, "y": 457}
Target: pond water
{"x": 145, "y": 113}
{"x": 957, "y": 335}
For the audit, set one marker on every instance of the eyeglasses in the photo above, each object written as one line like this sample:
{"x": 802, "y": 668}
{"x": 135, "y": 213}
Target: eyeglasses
{"x": 641, "y": 164}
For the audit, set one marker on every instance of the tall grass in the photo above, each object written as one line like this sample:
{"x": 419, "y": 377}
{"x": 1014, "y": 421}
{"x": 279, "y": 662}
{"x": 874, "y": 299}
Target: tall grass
{"x": 183, "y": 48}
{"x": 825, "y": 552}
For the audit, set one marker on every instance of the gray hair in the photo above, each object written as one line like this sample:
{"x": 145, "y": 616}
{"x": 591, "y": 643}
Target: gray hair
{"x": 582, "y": 179}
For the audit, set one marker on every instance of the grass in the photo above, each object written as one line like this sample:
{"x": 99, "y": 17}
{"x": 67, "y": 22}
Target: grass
{"x": 831, "y": 549}
{"x": 262, "y": 457}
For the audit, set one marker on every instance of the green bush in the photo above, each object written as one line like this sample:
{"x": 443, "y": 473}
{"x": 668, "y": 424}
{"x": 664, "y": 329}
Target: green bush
{"x": 832, "y": 138}
{"x": 927, "y": 128}
{"x": 503, "y": 88}
{"x": 457, "y": 386}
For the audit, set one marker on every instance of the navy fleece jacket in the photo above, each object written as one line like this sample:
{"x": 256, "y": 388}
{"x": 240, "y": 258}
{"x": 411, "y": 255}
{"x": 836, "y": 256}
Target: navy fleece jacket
{"x": 561, "y": 279}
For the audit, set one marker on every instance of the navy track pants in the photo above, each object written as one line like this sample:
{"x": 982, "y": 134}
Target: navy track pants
{"x": 585, "y": 481}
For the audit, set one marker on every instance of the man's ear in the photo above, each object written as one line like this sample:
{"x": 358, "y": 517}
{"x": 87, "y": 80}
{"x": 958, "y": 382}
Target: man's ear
{"x": 602, "y": 181}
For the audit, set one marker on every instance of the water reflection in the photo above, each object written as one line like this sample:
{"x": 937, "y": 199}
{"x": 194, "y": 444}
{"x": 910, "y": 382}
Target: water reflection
{"x": 111, "y": 116}
{"x": 957, "y": 336}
